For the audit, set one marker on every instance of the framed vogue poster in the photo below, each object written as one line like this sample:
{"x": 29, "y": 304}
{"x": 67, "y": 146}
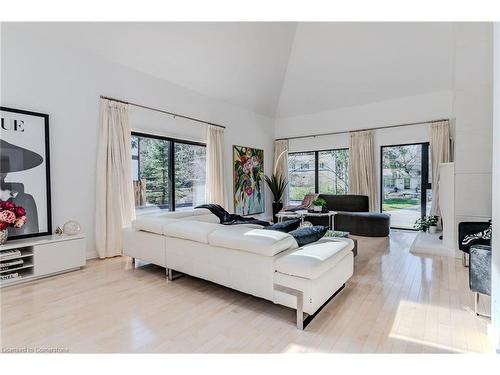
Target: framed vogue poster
{"x": 25, "y": 169}
{"x": 248, "y": 175}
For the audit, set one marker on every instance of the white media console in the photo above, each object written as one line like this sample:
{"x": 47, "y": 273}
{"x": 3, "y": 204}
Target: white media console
{"x": 40, "y": 257}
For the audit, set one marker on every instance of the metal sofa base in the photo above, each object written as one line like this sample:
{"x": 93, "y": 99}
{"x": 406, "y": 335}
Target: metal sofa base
{"x": 304, "y": 319}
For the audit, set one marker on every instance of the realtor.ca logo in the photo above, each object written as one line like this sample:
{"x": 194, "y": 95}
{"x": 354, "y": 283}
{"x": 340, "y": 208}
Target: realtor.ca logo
{"x": 35, "y": 349}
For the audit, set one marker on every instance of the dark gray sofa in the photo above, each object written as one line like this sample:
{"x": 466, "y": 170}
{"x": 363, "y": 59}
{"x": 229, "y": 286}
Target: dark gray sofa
{"x": 353, "y": 216}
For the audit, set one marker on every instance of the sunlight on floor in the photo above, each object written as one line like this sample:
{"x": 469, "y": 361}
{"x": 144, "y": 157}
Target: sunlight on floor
{"x": 432, "y": 326}
{"x": 141, "y": 334}
{"x": 295, "y": 348}
{"x": 427, "y": 343}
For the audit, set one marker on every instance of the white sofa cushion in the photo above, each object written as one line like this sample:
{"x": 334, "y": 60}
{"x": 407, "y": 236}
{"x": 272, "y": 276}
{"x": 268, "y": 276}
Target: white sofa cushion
{"x": 152, "y": 223}
{"x": 312, "y": 260}
{"x": 190, "y": 230}
{"x": 179, "y": 214}
{"x": 258, "y": 241}
{"x": 208, "y": 218}
{"x": 201, "y": 211}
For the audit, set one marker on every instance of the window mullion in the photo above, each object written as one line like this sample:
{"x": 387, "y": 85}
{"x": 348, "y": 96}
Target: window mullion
{"x": 139, "y": 158}
{"x": 316, "y": 173}
{"x": 171, "y": 177}
{"x": 424, "y": 183}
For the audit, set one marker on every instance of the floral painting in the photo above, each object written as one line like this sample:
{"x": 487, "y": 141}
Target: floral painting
{"x": 248, "y": 164}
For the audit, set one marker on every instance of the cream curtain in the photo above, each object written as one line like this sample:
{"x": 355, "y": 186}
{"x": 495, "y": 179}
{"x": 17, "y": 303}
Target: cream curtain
{"x": 440, "y": 153}
{"x": 281, "y": 163}
{"x": 114, "y": 188}
{"x": 216, "y": 189}
{"x": 362, "y": 180}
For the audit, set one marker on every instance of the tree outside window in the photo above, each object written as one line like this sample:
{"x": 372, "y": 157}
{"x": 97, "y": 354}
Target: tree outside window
{"x": 157, "y": 161}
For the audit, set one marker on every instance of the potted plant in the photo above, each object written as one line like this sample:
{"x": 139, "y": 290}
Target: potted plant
{"x": 427, "y": 223}
{"x": 433, "y": 221}
{"x": 277, "y": 184}
{"x": 319, "y": 204}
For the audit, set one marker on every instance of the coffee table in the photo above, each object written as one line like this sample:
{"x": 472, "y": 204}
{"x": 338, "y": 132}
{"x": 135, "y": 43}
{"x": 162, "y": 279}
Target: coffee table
{"x": 302, "y": 214}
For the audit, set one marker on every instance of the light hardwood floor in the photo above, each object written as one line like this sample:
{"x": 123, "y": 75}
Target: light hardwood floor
{"x": 395, "y": 302}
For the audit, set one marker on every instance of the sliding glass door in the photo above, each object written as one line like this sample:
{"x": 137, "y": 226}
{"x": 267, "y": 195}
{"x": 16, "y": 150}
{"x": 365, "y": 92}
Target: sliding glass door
{"x": 406, "y": 186}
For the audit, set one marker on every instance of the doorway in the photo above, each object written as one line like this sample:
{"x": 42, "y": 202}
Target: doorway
{"x": 406, "y": 192}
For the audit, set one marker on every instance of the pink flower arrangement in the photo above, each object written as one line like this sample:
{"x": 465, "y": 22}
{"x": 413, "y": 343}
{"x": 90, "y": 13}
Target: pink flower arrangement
{"x": 11, "y": 215}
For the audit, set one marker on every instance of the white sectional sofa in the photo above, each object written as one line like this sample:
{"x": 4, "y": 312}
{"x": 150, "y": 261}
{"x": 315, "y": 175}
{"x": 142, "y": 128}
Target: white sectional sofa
{"x": 264, "y": 263}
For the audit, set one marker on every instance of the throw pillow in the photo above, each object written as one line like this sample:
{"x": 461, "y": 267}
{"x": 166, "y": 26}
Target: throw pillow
{"x": 285, "y": 226}
{"x": 471, "y": 239}
{"x": 303, "y": 236}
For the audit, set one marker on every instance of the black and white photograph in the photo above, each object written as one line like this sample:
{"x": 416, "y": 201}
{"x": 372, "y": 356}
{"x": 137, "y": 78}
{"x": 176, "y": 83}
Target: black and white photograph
{"x": 24, "y": 171}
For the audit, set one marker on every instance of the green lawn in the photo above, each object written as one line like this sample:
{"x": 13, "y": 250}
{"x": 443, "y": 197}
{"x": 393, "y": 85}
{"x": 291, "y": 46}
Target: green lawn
{"x": 397, "y": 204}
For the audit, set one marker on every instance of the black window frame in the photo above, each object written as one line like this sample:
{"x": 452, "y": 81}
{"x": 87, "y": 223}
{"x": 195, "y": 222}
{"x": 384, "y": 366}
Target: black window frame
{"x": 316, "y": 162}
{"x": 171, "y": 161}
{"x": 425, "y": 184}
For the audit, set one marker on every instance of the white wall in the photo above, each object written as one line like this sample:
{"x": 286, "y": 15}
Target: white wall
{"x": 44, "y": 77}
{"x": 411, "y": 109}
{"x": 473, "y": 109}
{"x": 495, "y": 280}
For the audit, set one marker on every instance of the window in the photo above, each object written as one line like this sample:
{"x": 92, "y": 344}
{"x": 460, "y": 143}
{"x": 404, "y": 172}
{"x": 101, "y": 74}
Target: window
{"x": 320, "y": 171}
{"x": 157, "y": 161}
{"x": 150, "y": 165}
{"x": 333, "y": 173}
{"x": 301, "y": 179}
{"x": 189, "y": 175}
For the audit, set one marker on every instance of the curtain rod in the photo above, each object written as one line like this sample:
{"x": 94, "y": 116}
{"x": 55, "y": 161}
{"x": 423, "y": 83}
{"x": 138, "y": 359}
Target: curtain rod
{"x": 360, "y": 130}
{"x": 162, "y": 111}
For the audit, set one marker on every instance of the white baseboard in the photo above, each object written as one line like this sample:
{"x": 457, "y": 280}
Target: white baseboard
{"x": 91, "y": 254}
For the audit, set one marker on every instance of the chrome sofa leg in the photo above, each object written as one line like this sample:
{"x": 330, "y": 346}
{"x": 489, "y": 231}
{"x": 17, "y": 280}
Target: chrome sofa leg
{"x": 300, "y": 302}
{"x": 171, "y": 276}
{"x": 476, "y": 306}
{"x": 300, "y": 311}
{"x": 476, "y": 302}
{"x": 465, "y": 259}
{"x": 304, "y": 319}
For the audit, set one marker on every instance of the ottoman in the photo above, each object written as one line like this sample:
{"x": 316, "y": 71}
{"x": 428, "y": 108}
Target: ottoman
{"x": 370, "y": 224}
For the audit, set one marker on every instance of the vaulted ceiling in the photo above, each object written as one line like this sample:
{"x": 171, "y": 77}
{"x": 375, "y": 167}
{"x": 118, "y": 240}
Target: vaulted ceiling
{"x": 278, "y": 69}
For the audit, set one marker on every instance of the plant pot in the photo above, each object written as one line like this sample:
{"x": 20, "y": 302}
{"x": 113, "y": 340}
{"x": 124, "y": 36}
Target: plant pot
{"x": 3, "y": 236}
{"x": 317, "y": 208}
{"x": 433, "y": 229}
{"x": 277, "y": 206}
